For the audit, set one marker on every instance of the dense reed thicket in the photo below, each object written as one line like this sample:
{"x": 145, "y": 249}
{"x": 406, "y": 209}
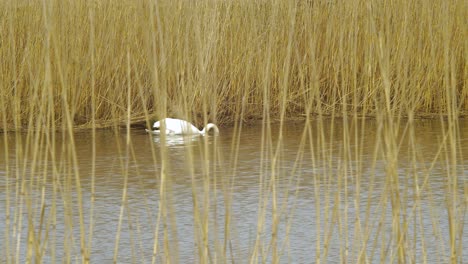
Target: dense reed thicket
{"x": 66, "y": 64}
{"x": 80, "y": 58}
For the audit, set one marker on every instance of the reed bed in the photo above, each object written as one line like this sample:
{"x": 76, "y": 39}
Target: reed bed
{"x": 92, "y": 64}
{"x": 216, "y": 57}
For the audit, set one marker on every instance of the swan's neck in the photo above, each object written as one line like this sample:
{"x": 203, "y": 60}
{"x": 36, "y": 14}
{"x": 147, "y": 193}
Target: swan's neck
{"x": 209, "y": 127}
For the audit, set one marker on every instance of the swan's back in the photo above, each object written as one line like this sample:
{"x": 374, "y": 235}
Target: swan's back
{"x": 178, "y": 126}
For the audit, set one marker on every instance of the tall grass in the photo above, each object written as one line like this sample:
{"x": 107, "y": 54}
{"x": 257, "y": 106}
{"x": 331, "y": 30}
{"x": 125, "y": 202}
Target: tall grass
{"x": 214, "y": 57}
{"x": 92, "y": 64}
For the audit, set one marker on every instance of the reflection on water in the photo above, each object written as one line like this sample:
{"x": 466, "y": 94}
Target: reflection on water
{"x": 177, "y": 140}
{"x": 332, "y": 196}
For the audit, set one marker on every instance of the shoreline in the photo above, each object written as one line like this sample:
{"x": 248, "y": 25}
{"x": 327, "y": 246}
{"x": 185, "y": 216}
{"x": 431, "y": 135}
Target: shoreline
{"x": 140, "y": 122}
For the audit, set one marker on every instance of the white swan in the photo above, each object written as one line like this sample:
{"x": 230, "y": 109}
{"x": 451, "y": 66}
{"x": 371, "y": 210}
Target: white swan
{"x": 180, "y": 127}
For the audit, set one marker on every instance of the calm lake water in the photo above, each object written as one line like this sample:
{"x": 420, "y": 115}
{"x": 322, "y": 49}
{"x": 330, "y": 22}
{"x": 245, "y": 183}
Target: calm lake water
{"x": 332, "y": 194}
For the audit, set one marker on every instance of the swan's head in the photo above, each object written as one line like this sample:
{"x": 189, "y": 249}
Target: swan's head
{"x": 211, "y": 127}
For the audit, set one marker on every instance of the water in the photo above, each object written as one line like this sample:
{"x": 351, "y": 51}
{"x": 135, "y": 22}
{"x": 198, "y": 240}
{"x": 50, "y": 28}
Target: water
{"x": 332, "y": 195}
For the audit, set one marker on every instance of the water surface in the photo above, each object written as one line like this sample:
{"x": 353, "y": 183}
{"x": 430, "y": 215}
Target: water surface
{"x": 331, "y": 192}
